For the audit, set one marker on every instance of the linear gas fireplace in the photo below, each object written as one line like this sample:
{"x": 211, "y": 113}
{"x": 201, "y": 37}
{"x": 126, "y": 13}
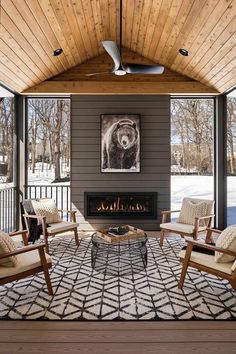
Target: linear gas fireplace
{"x": 123, "y": 205}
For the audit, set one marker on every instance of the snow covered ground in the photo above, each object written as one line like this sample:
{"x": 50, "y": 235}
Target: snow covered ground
{"x": 192, "y": 186}
{"x": 202, "y": 187}
{"x": 47, "y": 176}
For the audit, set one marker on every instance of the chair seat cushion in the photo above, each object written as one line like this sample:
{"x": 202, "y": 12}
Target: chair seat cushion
{"x": 61, "y": 227}
{"x": 25, "y": 261}
{"x": 209, "y": 261}
{"x": 179, "y": 227}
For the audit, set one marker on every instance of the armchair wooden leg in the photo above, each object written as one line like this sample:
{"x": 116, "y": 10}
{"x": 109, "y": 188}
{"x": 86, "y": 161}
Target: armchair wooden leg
{"x": 233, "y": 284}
{"x": 185, "y": 266}
{"x": 45, "y": 270}
{"x": 194, "y": 236}
{"x": 48, "y": 281}
{"x": 162, "y": 237}
{"x": 45, "y": 235}
{"x": 76, "y": 237}
{"x": 46, "y": 244}
{"x": 183, "y": 275}
{"x": 209, "y": 238}
{"x": 25, "y": 238}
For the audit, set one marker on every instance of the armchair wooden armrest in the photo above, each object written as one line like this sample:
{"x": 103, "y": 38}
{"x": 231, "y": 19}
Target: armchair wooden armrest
{"x": 170, "y": 211}
{"x": 205, "y": 217}
{"x": 23, "y": 233}
{"x": 214, "y": 230}
{"x": 165, "y": 213}
{"x": 192, "y": 243}
{"x": 30, "y": 216}
{"x": 23, "y": 250}
{"x": 67, "y": 211}
{"x": 72, "y": 212}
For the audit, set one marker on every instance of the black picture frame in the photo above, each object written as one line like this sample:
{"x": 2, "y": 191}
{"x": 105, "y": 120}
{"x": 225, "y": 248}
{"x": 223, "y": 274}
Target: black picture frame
{"x": 120, "y": 138}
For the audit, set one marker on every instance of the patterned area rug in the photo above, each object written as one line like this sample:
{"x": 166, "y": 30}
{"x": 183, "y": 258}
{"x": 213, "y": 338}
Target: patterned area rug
{"x": 127, "y": 292}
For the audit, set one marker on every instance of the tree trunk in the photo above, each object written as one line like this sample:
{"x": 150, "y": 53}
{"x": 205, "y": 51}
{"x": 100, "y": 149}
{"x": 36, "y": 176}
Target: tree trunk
{"x": 58, "y": 141}
{"x": 43, "y": 154}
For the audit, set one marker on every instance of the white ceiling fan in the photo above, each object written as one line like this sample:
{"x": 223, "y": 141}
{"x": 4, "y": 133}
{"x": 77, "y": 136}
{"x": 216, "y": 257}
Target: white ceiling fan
{"x": 121, "y": 68}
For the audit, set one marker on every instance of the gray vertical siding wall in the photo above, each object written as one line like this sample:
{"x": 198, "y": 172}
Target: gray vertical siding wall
{"x": 155, "y": 153}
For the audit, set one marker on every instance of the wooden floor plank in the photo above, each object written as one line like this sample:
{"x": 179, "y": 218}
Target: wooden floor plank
{"x": 118, "y": 348}
{"x": 114, "y": 326}
{"x": 163, "y": 337}
{"x": 122, "y": 336}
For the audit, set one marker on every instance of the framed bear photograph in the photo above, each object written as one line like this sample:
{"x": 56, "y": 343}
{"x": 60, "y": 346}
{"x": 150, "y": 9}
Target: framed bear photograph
{"x": 120, "y": 143}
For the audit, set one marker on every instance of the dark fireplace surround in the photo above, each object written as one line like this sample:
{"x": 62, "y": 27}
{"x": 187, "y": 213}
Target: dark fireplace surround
{"x": 120, "y": 205}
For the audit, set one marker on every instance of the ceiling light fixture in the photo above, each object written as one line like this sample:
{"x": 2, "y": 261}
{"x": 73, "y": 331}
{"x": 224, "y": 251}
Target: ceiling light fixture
{"x": 183, "y": 52}
{"x": 57, "y": 52}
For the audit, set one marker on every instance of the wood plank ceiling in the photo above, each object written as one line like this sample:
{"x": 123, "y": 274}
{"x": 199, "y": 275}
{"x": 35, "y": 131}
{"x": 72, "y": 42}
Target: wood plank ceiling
{"x": 155, "y": 29}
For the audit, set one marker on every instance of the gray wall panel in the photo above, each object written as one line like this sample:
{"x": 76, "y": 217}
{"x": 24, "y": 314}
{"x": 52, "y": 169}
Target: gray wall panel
{"x": 155, "y": 153}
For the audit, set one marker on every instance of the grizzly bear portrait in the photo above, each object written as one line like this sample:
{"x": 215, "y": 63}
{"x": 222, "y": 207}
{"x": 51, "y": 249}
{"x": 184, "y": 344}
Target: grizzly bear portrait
{"x": 120, "y": 148}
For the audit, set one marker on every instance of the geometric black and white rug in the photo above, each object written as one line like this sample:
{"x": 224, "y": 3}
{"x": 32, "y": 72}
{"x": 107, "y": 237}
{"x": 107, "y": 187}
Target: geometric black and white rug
{"x": 151, "y": 293}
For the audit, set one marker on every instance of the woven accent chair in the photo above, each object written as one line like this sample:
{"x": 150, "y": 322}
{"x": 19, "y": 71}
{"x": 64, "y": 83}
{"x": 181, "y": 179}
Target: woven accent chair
{"x": 55, "y": 228}
{"x": 206, "y": 262}
{"x": 30, "y": 260}
{"x": 199, "y": 224}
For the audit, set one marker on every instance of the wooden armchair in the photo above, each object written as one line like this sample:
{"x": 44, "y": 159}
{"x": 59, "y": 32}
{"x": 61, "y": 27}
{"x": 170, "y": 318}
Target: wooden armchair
{"x": 182, "y": 229}
{"x": 206, "y": 262}
{"x": 30, "y": 260}
{"x": 54, "y": 228}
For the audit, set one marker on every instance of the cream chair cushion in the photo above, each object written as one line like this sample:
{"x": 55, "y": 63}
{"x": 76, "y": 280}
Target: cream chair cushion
{"x": 226, "y": 240}
{"x": 178, "y": 227}
{"x": 208, "y": 261}
{"x": 48, "y": 208}
{"x": 61, "y": 227}
{"x": 7, "y": 245}
{"x": 25, "y": 261}
{"x": 192, "y": 208}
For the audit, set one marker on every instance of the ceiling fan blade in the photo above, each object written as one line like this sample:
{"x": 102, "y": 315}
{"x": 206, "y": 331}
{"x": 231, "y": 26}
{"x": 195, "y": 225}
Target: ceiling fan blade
{"x": 114, "y": 53}
{"x": 143, "y": 69}
{"x": 101, "y": 73}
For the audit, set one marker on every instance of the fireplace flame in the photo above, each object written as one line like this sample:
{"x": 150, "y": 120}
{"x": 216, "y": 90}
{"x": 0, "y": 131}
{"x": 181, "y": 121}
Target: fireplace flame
{"x": 116, "y": 206}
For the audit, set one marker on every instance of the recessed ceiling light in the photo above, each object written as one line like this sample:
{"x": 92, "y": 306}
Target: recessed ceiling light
{"x": 57, "y": 52}
{"x": 183, "y": 52}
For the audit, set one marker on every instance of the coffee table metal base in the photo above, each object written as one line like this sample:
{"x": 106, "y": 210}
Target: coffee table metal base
{"x": 119, "y": 259}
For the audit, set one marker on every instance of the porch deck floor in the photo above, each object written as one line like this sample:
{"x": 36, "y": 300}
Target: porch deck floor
{"x": 168, "y": 337}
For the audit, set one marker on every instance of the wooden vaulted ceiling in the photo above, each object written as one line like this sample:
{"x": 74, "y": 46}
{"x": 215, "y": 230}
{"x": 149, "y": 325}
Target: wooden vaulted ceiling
{"x": 154, "y": 29}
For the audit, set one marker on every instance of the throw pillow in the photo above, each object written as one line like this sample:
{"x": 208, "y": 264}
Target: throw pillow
{"x": 7, "y": 245}
{"x": 190, "y": 210}
{"x": 226, "y": 240}
{"x": 48, "y": 208}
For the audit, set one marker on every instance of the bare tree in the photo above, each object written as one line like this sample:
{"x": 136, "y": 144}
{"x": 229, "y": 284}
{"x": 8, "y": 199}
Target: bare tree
{"x": 53, "y": 132}
{"x": 192, "y": 134}
{"x": 231, "y": 133}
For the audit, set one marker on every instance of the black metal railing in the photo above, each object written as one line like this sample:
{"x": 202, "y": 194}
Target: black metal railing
{"x": 59, "y": 193}
{"x": 8, "y": 209}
